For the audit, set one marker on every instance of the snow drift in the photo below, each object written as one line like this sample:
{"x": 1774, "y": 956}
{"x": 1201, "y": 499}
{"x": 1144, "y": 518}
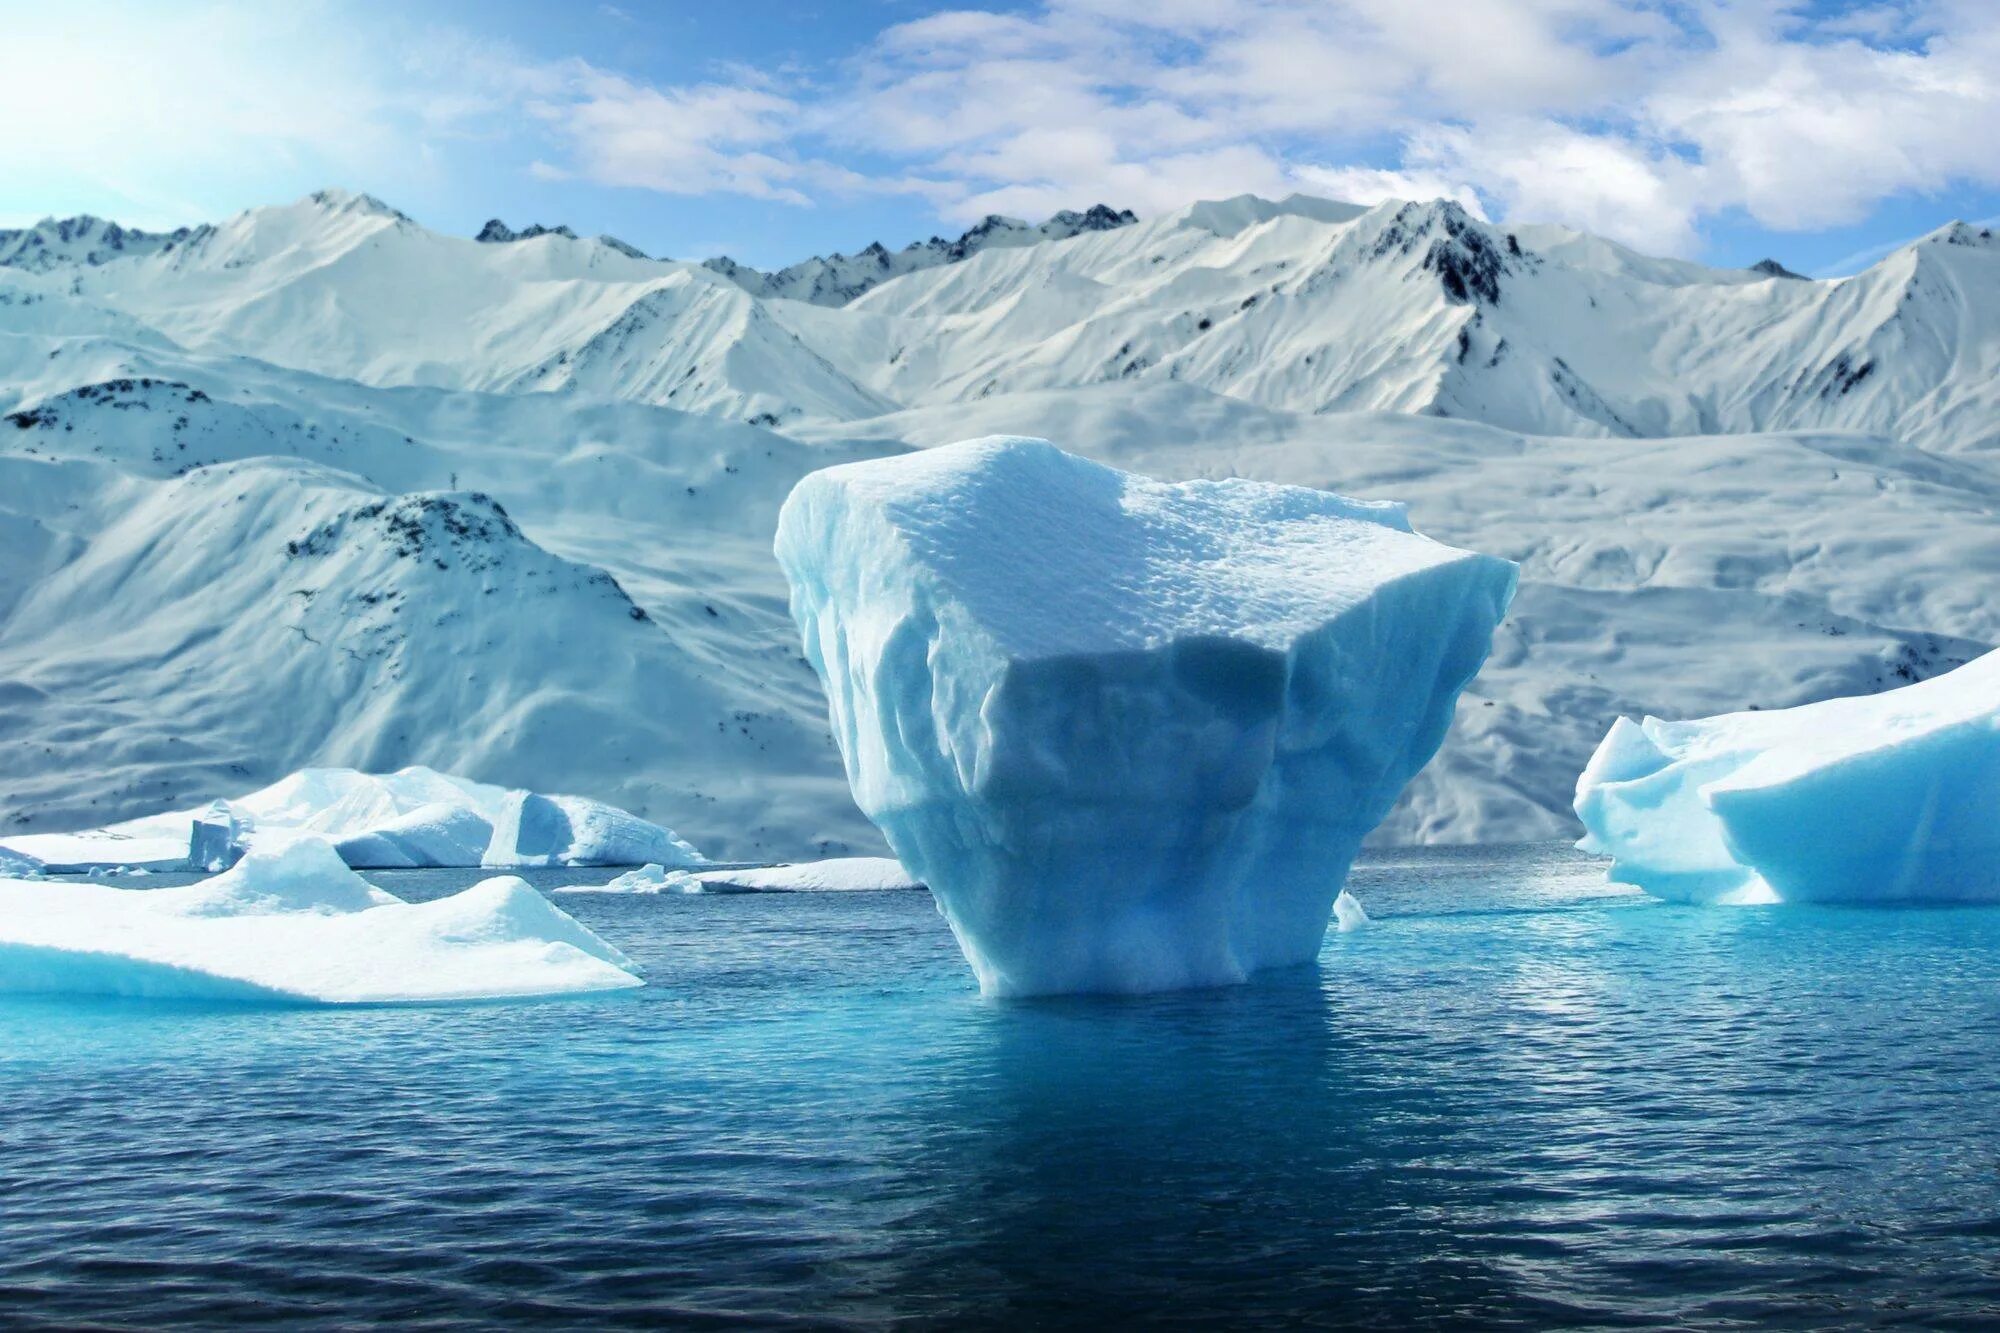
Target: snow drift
{"x": 297, "y": 925}
{"x": 1130, "y": 733}
{"x": 1888, "y": 798}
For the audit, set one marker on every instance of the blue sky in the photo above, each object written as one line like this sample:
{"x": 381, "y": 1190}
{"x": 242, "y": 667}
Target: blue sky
{"x": 1724, "y": 130}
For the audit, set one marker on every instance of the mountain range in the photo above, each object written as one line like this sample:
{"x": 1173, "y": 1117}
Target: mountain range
{"x": 316, "y": 484}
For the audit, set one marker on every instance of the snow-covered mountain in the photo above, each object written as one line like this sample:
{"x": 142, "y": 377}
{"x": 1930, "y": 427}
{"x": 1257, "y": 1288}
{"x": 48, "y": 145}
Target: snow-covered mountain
{"x": 836, "y": 279}
{"x": 58, "y": 243}
{"x": 461, "y": 468}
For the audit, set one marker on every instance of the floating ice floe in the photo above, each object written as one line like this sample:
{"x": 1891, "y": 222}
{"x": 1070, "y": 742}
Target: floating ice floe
{"x": 849, "y": 874}
{"x": 1130, "y": 733}
{"x": 1893, "y": 797}
{"x": 296, "y": 924}
{"x": 536, "y": 830}
{"x": 415, "y": 817}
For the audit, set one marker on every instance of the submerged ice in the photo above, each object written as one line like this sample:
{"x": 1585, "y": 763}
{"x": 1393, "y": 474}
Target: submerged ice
{"x": 1130, "y": 733}
{"x": 296, "y": 924}
{"x": 1885, "y": 798}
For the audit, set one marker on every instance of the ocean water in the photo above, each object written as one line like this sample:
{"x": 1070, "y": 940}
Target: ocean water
{"x": 1521, "y": 1098}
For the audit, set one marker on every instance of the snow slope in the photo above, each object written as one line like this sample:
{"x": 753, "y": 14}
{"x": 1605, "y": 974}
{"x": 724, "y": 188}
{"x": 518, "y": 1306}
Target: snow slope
{"x": 1724, "y": 487}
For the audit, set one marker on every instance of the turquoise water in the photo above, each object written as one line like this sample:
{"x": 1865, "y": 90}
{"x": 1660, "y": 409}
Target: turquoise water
{"x": 1520, "y": 1098}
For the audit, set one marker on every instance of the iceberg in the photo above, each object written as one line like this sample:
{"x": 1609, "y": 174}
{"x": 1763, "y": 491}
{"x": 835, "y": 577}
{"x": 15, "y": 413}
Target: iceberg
{"x": 415, "y": 817}
{"x": 1130, "y": 733}
{"x": 295, "y": 924}
{"x": 536, "y": 830}
{"x": 1884, "y": 798}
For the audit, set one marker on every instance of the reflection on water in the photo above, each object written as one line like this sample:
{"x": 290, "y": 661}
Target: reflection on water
{"x": 1522, "y": 1096}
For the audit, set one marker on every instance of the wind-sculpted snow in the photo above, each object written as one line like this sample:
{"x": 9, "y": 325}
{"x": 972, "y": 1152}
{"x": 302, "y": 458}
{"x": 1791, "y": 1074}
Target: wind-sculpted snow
{"x": 1886, "y": 798}
{"x": 1130, "y": 733}
{"x": 296, "y": 925}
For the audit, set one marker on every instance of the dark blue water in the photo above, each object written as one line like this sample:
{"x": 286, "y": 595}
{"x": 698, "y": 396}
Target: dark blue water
{"x": 1520, "y": 1098}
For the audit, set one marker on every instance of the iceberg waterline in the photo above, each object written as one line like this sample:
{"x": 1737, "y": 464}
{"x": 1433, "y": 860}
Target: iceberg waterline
{"x": 295, "y": 924}
{"x": 415, "y": 817}
{"x": 1893, "y": 797}
{"x": 1130, "y": 733}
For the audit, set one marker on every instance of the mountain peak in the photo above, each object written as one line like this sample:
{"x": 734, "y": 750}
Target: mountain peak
{"x": 496, "y": 232}
{"x": 82, "y": 241}
{"x": 338, "y": 200}
{"x": 1771, "y": 268}
{"x": 836, "y": 279}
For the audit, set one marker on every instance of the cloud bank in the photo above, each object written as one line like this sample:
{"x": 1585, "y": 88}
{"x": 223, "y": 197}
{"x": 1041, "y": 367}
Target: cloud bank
{"x": 1643, "y": 120}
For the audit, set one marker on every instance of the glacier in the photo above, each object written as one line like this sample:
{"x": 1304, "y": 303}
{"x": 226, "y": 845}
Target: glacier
{"x": 1130, "y": 733}
{"x": 295, "y": 924}
{"x": 1886, "y": 798}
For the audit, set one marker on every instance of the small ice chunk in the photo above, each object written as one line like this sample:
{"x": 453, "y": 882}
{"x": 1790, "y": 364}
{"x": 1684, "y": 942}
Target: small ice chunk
{"x": 1347, "y": 913}
{"x": 1883, "y": 798}
{"x": 845, "y": 874}
{"x": 217, "y": 838}
{"x": 295, "y": 924}
{"x": 646, "y": 879}
{"x": 1130, "y": 733}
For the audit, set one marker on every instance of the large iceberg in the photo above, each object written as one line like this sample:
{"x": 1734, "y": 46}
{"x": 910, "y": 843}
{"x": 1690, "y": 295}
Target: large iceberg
{"x": 295, "y": 924}
{"x": 1892, "y": 797}
{"x": 415, "y": 817}
{"x": 1130, "y": 733}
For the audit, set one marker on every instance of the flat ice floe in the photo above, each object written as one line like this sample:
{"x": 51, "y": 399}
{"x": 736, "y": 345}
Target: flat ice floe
{"x": 847, "y": 874}
{"x": 296, "y": 924}
{"x": 1130, "y": 733}
{"x": 1893, "y": 797}
{"x": 415, "y": 817}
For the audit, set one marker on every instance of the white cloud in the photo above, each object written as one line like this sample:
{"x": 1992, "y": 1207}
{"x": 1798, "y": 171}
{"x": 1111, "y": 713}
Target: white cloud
{"x": 698, "y": 140}
{"x": 1636, "y": 118}
{"x": 1373, "y": 185}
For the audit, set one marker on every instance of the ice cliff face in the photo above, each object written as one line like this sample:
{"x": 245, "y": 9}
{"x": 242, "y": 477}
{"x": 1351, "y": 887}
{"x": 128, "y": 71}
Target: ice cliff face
{"x": 1130, "y": 733}
{"x": 1888, "y": 798}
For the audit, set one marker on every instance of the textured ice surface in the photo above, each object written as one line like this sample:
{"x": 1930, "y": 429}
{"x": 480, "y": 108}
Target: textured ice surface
{"x": 297, "y": 924}
{"x": 1892, "y": 797}
{"x": 537, "y": 830}
{"x": 1130, "y": 733}
{"x": 410, "y": 818}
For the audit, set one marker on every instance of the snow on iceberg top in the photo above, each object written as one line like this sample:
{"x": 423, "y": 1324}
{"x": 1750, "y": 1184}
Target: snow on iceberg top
{"x": 1053, "y": 555}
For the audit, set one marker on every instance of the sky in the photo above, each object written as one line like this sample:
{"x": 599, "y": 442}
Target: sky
{"x": 1818, "y": 132}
